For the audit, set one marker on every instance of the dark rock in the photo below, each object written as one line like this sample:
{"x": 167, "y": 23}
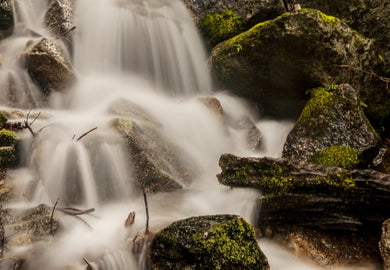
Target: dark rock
{"x": 48, "y": 66}
{"x": 384, "y": 244}
{"x": 207, "y": 242}
{"x": 274, "y": 62}
{"x": 254, "y": 138}
{"x": 330, "y": 118}
{"x": 154, "y": 161}
{"x": 59, "y": 17}
{"x": 377, "y": 158}
{"x": 6, "y": 19}
{"x": 247, "y": 9}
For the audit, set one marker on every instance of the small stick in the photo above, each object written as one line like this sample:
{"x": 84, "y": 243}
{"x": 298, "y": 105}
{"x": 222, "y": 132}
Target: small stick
{"x": 147, "y": 210}
{"x": 85, "y": 134}
{"x": 52, "y": 216}
{"x": 36, "y": 117}
{"x": 383, "y": 79}
{"x": 88, "y": 263}
{"x": 75, "y": 212}
{"x": 10, "y": 258}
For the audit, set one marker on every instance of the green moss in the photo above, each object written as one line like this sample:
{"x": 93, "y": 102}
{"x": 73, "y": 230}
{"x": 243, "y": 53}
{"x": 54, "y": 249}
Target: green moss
{"x": 3, "y": 119}
{"x": 337, "y": 156}
{"x": 227, "y": 245}
{"x": 7, "y": 138}
{"x": 321, "y": 100}
{"x": 7, "y": 157}
{"x": 219, "y": 27}
{"x": 329, "y": 19}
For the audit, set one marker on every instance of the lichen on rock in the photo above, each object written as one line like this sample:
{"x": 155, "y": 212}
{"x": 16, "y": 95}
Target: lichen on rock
{"x": 207, "y": 242}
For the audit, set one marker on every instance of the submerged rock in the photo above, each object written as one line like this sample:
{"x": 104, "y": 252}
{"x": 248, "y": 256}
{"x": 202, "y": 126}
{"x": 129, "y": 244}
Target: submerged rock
{"x": 384, "y": 244}
{"x": 332, "y": 117}
{"x": 48, "y": 66}
{"x": 155, "y": 162}
{"x": 6, "y": 19}
{"x": 274, "y": 62}
{"x": 59, "y": 17}
{"x": 207, "y": 242}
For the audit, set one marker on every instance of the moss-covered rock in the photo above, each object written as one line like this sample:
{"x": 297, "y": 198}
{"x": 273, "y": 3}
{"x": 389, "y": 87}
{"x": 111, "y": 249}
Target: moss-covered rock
{"x": 48, "y": 66}
{"x": 274, "y": 62}
{"x": 207, "y": 242}
{"x": 336, "y": 156}
{"x": 332, "y": 117}
{"x": 6, "y": 19}
{"x": 221, "y": 26}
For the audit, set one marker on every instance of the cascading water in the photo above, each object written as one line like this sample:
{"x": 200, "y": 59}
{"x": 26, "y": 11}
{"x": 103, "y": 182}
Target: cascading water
{"x": 147, "y": 53}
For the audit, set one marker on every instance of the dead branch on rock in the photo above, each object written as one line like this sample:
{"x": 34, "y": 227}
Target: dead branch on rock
{"x": 85, "y": 134}
{"x": 383, "y": 79}
{"x": 51, "y": 218}
{"x": 147, "y": 211}
{"x": 27, "y": 124}
{"x": 89, "y": 267}
{"x": 76, "y": 213}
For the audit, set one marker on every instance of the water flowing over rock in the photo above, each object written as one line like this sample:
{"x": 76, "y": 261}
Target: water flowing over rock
{"x": 330, "y": 118}
{"x": 384, "y": 244}
{"x": 48, "y": 66}
{"x": 59, "y": 17}
{"x": 154, "y": 160}
{"x": 274, "y": 63}
{"x": 207, "y": 242}
{"x": 6, "y": 19}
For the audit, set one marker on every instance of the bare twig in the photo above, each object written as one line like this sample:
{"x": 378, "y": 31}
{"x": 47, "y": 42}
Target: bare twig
{"x": 27, "y": 125}
{"x": 36, "y": 117}
{"x": 89, "y": 267}
{"x": 52, "y": 216}
{"x": 86, "y": 133}
{"x": 147, "y": 210}
{"x": 10, "y": 258}
{"x": 76, "y": 212}
{"x": 383, "y": 79}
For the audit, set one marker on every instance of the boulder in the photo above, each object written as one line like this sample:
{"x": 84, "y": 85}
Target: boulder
{"x": 213, "y": 104}
{"x": 274, "y": 62}
{"x": 207, "y": 242}
{"x": 6, "y": 19}
{"x": 332, "y": 117}
{"x": 155, "y": 162}
{"x": 48, "y": 66}
{"x": 247, "y": 9}
{"x": 59, "y": 17}
{"x": 384, "y": 244}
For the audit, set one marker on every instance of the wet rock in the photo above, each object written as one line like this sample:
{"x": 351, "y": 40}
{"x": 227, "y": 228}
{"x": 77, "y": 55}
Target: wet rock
{"x": 274, "y": 62}
{"x": 254, "y": 138}
{"x": 330, "y": 118}
{"x": 207, "y": 242}
{"x": 384, "y": 244}
{"x": 377, "y": 158}
{"x": 6, "y": 19}
{"x": 327, "y": 249}
{"x": 48, "y": 66}
{"x": 155, "y": 162}
{"x": 59, "y": 17}
{"x": 213, "y": 104}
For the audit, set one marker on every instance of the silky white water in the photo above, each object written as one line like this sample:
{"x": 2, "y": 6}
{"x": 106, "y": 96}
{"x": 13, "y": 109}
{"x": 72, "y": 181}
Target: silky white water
{"x": 143, "y": 53}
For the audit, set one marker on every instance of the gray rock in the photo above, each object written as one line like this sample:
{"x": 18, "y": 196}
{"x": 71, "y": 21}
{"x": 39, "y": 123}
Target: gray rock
{"x": 155, "y": 162}
{"x": 330, "y": 118}
{"x": 384, "y": 244}
{"x": 48, "y": 66}
{"x": 6, "y": 19}
{"x": 207, "y": 242}
{"x": 59, "y": 17}
{"x": 273, "y": 63}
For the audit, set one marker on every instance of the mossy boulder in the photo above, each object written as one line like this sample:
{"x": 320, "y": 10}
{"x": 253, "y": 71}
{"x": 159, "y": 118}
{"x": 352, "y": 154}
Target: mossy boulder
{"x": 59, "y": 17}
{"x": 332, "y": 117}
{"x": 218, "y": 27}
{"x": 6, "y": 19}
{"x": 273, "y": 63}
{"x": 207, "y": 242}
{"x": 8, "y": 142}
{"x": 48, "y": 66}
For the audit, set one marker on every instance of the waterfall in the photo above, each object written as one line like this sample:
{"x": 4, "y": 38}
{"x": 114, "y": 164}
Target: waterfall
{"x": 147, "y": 55}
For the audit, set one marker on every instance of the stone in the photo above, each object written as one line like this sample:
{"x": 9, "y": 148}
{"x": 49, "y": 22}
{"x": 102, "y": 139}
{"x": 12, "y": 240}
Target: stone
{"x": 6, "y": 19}
{"x": 384, "y": 244}
{"x": 207, "y": 242}
{"x": 330, "y": 118}
{"x": 214, "y": 105}
{"x": 59, "y": 17}
{"x": 155, "y": 163}
{"x": 276, "y": 61}
{"x": 48, "y": 66}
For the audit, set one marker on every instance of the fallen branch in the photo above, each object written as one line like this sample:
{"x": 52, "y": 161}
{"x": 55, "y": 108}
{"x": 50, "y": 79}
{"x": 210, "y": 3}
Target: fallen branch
{"x": 86, "y": 133}
{"x": 76, "y": 212}
{"x": 89, "y": 267}
{"x": 147, "y": 210}
{"x": 51, "y": 218}
{"x": 383, "y": 79}
{"x": 10, "y": 258}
